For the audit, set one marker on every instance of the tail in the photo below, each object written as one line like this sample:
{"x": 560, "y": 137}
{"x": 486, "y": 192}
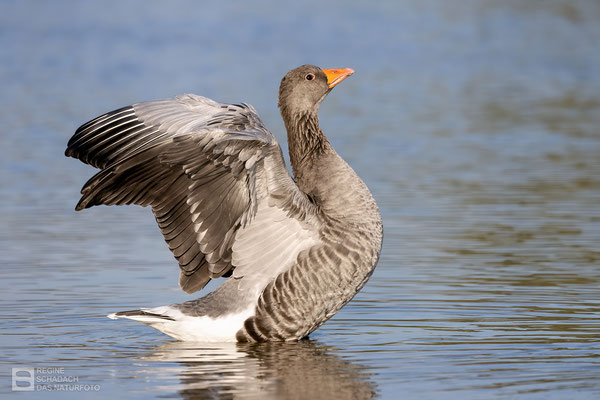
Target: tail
{"x": 194, "y": 328}
{"x": 146, "y": 315}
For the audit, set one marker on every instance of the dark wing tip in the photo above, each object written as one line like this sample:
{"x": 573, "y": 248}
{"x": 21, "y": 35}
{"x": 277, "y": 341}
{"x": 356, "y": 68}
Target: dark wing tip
{"x": 70, "y": 152}
{"x": 193, "y": 282}
{"x": 103, "y": 129}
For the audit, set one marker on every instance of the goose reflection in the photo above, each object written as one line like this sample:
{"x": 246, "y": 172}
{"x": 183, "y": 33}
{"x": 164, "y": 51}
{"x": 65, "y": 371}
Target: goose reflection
{"x": 295, "y": 370}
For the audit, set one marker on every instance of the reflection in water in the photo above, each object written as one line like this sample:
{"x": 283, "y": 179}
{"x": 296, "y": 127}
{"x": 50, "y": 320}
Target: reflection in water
{"x": 305, "y": 369}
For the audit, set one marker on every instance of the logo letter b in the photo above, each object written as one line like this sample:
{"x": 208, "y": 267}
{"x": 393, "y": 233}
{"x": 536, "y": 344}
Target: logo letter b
{"x": 22, "y": 379}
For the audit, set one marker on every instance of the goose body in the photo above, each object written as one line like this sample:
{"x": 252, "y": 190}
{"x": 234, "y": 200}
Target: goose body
{"x": 294, "y": 251}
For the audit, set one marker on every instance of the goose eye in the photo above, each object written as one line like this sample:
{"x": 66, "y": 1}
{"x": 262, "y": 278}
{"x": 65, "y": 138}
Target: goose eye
{"x": 309, "y": 77}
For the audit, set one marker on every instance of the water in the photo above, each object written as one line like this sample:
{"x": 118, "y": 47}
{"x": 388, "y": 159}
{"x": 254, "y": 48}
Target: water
{"x": 474, "y": 123}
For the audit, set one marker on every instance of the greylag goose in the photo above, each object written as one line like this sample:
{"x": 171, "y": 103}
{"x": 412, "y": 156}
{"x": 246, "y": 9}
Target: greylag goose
{"x": 294, "y": 251}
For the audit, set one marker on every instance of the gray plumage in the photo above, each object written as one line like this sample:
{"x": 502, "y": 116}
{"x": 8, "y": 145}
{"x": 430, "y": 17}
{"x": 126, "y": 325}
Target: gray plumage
{"x": 227, "y": 206}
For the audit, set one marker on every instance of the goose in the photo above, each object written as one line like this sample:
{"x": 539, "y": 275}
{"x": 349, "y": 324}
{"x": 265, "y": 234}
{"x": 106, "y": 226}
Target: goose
{"x": 293, "y": 250}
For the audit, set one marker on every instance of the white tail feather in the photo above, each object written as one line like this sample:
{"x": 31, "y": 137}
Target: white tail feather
{"x": 187, "y": 328}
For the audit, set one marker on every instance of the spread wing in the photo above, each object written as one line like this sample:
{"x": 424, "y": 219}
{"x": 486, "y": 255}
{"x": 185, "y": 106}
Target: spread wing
{"x": 214, "y": 177}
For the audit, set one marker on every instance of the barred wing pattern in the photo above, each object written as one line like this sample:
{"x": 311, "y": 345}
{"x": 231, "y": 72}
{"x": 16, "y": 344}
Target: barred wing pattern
{"x": 206, "y": 169}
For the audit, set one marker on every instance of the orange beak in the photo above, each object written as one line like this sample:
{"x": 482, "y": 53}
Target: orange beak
{"x": 335, "y": 76}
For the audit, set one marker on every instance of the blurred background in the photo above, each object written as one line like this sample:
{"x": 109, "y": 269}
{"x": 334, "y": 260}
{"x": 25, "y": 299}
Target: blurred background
{"x": 476, "y": 124}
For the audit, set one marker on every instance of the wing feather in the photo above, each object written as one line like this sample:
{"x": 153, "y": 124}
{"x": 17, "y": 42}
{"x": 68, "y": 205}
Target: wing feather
{"x": 214, "y": 177}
